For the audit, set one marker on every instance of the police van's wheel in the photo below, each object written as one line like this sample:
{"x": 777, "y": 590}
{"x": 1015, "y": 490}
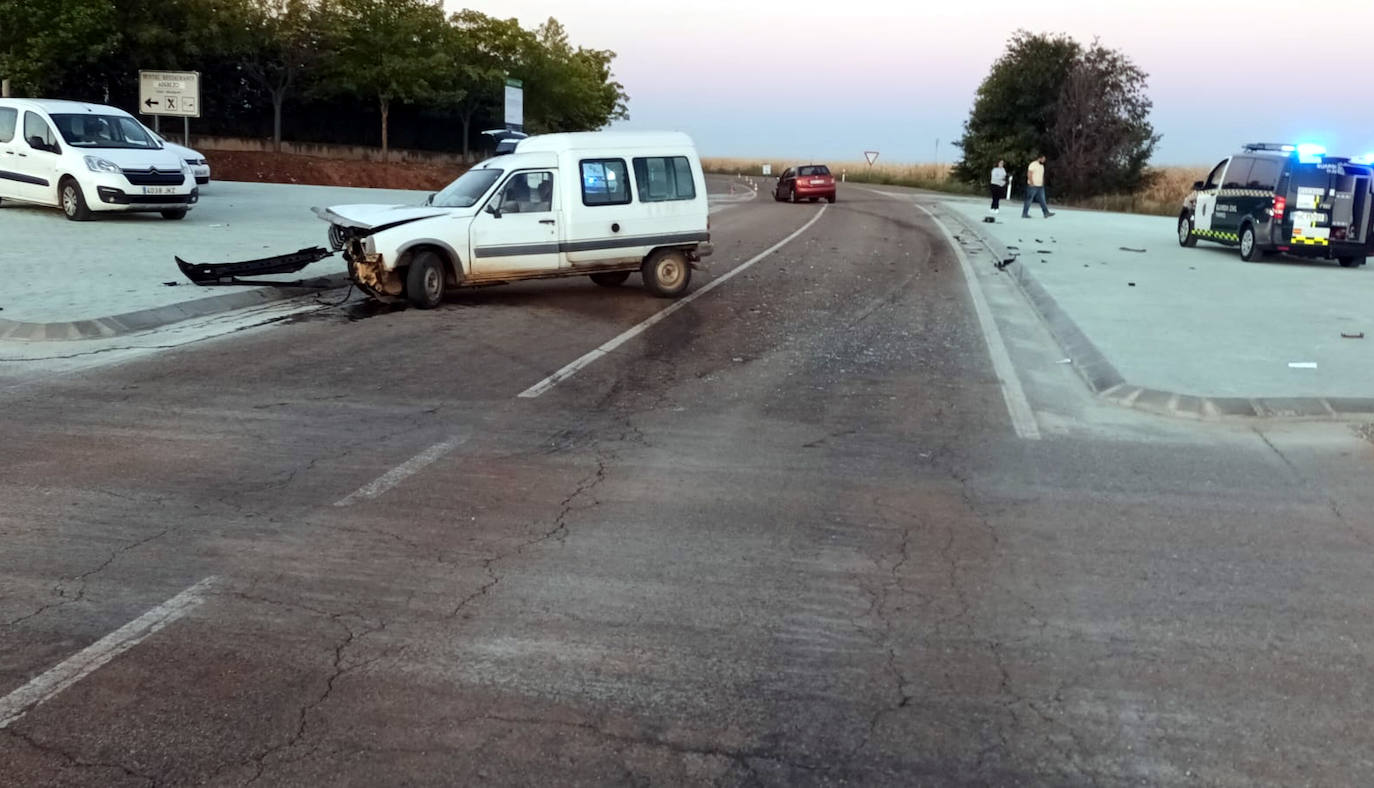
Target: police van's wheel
{"x": 174, "y": 215}
{"x": 611, "y": 279}
{"x": 1249, "y": 249}
{"x": 73, "y": 201}
{"x": 666, "y": 273}
{"x": 1185, "y": 231}
{"x": 425, "y": 281}
{"x": 1351, "y": 262}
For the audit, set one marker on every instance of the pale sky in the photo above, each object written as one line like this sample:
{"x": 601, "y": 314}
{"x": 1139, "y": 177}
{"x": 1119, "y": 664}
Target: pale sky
{"x": 828, "y": 80}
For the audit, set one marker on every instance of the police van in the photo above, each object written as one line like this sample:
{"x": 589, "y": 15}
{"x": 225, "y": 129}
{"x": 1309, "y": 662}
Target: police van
{"x": 1293, "y": 199}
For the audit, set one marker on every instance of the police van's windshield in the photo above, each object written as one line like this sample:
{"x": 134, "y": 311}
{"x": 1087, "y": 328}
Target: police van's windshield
{"x": 467, "y": 190}
{"x": 102, "y": 131}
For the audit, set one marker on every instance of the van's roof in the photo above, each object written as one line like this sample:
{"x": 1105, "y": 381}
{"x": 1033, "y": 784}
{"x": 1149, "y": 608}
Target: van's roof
{"x": 63, "y": 106}
{"x": 587, "y": 140}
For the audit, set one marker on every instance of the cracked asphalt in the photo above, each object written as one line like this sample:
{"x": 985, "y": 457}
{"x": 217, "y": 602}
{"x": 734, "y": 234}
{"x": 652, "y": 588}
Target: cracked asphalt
{"x": 786, "y": 537}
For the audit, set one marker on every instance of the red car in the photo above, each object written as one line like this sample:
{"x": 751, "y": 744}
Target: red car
{"x": 807, "y": 182}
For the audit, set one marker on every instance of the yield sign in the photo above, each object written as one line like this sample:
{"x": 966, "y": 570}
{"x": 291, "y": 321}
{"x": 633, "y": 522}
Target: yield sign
{"x": 871, "y": 155}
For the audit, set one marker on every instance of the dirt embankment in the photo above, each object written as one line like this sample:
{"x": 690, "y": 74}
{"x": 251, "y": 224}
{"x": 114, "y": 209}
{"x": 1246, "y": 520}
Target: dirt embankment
{"x": 289, "y": 168}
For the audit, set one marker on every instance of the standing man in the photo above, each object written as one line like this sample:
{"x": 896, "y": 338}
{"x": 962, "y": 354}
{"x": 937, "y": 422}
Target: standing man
{"x": 1035, "y": 188}
{"x": 996, "y": 188}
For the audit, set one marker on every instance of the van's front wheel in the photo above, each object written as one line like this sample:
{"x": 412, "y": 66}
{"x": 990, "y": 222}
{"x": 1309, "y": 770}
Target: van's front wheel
{"x": 425, "y": 281}
{"x": 667, "y": 273}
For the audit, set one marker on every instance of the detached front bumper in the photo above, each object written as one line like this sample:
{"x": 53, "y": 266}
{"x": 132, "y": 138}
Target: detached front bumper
{"x": 371, "y": 276}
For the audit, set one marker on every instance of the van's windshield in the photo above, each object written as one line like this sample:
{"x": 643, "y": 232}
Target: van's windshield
{"x": 85, "y": 130}
{"x": 468, "y": 189}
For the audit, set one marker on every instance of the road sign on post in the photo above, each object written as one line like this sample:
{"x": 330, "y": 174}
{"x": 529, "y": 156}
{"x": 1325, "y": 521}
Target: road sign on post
{"x": 871, "y": 155}
{"x": 515, "y": 105}
{"x": 174, "y": 93}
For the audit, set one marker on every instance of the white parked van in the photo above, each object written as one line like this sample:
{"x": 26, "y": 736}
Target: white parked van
{"x": 603, "y": 204}
{"x": 87, "y": 157}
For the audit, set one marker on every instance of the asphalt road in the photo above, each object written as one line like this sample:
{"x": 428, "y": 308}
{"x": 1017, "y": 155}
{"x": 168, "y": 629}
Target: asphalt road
{"x": 786, "y": 536}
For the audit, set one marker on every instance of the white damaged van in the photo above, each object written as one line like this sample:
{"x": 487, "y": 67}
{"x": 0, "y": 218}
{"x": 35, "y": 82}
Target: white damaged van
{"x": 598, "y": 204}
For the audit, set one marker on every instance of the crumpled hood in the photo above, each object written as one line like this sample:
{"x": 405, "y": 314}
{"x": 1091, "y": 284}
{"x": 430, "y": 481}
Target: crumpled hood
{"x": 375, "y": 217}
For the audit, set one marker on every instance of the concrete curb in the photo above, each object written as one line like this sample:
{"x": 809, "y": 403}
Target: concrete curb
{"x": 157, "y": 317}
{"x": 1103, "y": 379}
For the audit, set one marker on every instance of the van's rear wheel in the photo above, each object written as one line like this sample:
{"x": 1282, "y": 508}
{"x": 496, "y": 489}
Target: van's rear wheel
{"x": 666, "y": 273}
{"x": 1351, "y": 262}
{"x": 174, "y": 215}
{"x": 425, "y": 281}
{"x": 1249, "y": 249}
{"x": 1185, "y": 231}
{"x": 610, "y": 278}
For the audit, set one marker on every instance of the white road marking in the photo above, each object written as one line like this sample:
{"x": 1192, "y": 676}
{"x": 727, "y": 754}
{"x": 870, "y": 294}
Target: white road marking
{"x": 50, "y": 683}
{"x": 1022, "y": 417}
{"x": 634, "y": 331}
{"x": 398, "y": 474}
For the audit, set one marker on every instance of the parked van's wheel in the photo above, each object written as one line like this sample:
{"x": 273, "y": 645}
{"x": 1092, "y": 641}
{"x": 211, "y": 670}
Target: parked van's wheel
{"x": 1351, "y": 262}
{"x": 666, "y": 273}
{"x": 1185, "y": 231}
{"x": 1249, "y": 249}
{"x": 175, "y": 215}
{"x": 72, "y": 200}
{"x": 611, "y": 278}
{"x": 425, "y": 281}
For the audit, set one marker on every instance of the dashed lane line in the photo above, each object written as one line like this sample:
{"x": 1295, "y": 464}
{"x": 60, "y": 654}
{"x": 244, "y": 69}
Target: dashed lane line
{"x": 64, "y": 674}
{"x": 399, "y": 474}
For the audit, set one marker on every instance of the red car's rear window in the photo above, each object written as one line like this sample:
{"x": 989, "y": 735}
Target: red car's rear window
{"x": 815, "y": 169}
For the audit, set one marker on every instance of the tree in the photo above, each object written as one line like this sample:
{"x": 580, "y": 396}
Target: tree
{"x": 569, "y": 89}
{"x": 277, "y": 42}
{"x": 385, "y": 49}
{"x": 481, "y": 51}
{"x": 41, "y": 41}
{"x": 1084, "y": 108}
{"x": 1102, "y": 130}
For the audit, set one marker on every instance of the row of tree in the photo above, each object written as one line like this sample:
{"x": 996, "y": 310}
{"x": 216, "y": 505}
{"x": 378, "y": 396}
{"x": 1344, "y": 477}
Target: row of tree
{"x": 1084, "y": 107}
{"x": 327, "y": 56}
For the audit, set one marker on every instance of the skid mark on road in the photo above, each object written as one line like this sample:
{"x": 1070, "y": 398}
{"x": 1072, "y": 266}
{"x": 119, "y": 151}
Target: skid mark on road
{"x": 399, "y": 474}
{"x": 53, "y": 681}
{"x": 1018, "y": 407}
{"x": 572, "y": 368}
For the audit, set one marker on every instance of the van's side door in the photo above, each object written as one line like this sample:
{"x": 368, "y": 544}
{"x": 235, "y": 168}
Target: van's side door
{"x": 10, "y": 141}
{"x": 32, "y": 169}
{"x": 518, "y": 230}
{"x": 1231, "y": 199}
{"x": 1207, "y": 201}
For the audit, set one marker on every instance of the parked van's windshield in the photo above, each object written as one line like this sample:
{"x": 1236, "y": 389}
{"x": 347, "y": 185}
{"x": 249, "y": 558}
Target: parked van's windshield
{"x": 102, "y": 131}
{"x": 467, "y": 190}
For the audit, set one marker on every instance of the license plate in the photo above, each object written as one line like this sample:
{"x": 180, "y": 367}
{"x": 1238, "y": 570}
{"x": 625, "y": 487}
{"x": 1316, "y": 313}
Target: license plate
{"x": 159, "y": 190}
{"x": 817, "y": 182}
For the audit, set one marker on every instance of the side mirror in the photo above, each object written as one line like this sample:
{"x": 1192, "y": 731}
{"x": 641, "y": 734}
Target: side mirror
{"x": 430, "y": 199}
{"x": 493, "y": 210}
{"x": 1198, "y": 186}
{"x": 37, "y": 143}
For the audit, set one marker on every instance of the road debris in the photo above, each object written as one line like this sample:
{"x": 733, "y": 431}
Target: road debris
{"x": 1130, "y": 249}
{"x": 1352, "y": 335}
{"x": 1302, "y": 365}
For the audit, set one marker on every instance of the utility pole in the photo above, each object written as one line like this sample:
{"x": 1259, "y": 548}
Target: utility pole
{"x": 937, "y": 155}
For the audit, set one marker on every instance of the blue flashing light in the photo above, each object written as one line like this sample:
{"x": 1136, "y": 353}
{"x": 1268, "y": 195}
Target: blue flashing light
{"x": 1309, "y": 153}
{"x": 1288, "y": 148}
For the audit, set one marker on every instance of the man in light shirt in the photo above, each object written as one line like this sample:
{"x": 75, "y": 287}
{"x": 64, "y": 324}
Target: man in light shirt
{"x": 1035, "y": 188}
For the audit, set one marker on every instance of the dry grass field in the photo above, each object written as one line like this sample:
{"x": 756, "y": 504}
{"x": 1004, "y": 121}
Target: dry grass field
{"x": 1166, "y": 190}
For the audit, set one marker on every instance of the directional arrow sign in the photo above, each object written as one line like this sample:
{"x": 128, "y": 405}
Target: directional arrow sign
{"x": 175, "y": 93}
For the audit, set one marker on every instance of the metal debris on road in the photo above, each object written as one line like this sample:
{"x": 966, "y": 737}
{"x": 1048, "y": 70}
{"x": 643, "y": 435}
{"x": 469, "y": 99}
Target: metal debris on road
{"x": 1130, "y": 249}
{"x": 1302, "y": 365}
{"x": 1352, "y": 335}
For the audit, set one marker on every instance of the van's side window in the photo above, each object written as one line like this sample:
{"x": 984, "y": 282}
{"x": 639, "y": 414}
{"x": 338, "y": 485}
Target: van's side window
{"x": 663, "y": 178}
{"x": 35, "y": 126}
{"x": 1238, "y": 174}
{"x": 1214, "y": 179}
{"x": 528, "y": 192}
{"x": 1265, "y": 175}
{"x": 605, "y": 182}
{"x": 9, "y": 118}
